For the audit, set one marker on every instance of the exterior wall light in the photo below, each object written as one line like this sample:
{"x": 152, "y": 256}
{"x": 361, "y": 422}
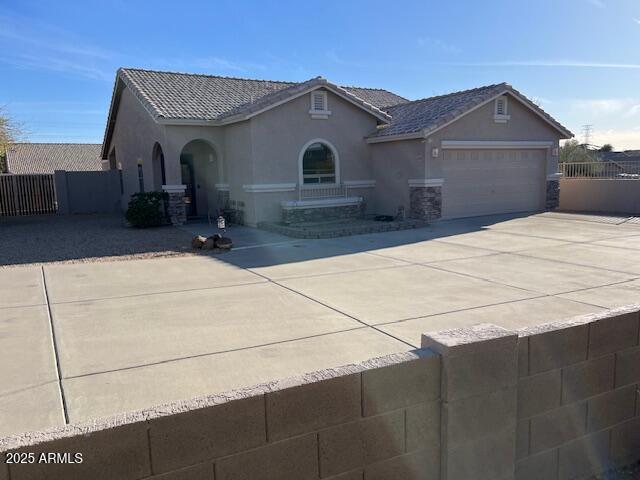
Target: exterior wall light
{"x": 435, "y": 151}
{"x": 554, "y": 152}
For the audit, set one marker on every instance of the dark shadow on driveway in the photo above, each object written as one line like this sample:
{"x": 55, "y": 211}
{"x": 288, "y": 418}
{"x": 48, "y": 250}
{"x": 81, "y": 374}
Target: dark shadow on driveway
{"x": 291, "y": 250}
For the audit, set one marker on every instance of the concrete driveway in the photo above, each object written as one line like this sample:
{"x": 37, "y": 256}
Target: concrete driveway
{"x": 82, "y": 341}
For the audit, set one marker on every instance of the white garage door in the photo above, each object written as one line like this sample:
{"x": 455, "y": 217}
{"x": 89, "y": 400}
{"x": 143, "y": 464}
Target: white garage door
{"x": 485, "y": 182}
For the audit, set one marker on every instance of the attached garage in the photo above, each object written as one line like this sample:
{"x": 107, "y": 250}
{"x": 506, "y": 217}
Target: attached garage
{"x": 486, "y": 182}
{"x": 484, "y": 151}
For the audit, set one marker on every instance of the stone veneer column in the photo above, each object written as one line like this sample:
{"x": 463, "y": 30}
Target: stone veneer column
{"x": 479, "y": 400}
{"x": 425, "y": 198}
{"x": 553, "y": 191}
{"x": 176, "y": 208}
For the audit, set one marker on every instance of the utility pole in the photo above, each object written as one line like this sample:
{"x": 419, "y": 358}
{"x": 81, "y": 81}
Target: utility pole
{"x": 587, "y": 130}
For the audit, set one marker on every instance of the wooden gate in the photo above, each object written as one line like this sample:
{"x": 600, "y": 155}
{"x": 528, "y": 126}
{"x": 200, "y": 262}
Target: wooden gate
{"x": 32, "y": 194}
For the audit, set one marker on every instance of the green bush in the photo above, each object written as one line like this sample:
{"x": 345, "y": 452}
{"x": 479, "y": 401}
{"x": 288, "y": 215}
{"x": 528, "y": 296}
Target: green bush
{"x": 147, "y": 209}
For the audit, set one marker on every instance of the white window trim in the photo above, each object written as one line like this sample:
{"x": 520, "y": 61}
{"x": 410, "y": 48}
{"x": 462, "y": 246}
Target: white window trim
{"x": 359, "y": 183}
{"x": 336, "y": 159}
{"x": 319, "y": 114}
{"x": 504, "y": 117}
{"x": 320, "y": 203}
{"x": 269, "y": 187}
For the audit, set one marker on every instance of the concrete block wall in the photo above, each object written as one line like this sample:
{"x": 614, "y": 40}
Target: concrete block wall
{"x": 578, "y": 412}
{"x": 87, "y": 192}
{"x": 553, "y": 402}
{"x": 372, "y": 421}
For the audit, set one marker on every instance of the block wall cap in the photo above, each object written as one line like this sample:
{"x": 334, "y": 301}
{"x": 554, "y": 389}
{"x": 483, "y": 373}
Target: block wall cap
{"x": 578, "y": 320}
{"x": 466, "y": 340}
{"x": 21, "y": 440}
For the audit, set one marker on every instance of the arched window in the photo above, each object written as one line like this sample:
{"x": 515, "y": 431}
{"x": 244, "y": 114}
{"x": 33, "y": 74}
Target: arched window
{"x": 319, "y": 164}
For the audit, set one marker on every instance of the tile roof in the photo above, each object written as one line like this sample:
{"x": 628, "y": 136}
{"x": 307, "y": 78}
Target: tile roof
{"x": 48, "y": 157}
{"x": 428, "y": 114}
{"x": 625, "y": 156}
{"x": 174, "y": 95}
{"x": 197, "y": 97}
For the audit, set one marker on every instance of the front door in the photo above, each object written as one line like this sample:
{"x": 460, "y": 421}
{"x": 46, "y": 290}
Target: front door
{"x": 186, "y": 166}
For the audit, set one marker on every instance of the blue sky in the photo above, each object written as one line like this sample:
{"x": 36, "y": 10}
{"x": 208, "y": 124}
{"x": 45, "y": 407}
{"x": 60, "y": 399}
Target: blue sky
{"x": 579, "y": 59}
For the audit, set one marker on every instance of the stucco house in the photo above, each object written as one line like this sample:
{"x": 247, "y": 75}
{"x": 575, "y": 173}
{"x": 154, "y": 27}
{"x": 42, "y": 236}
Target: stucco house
{"x": 286, "y": 151}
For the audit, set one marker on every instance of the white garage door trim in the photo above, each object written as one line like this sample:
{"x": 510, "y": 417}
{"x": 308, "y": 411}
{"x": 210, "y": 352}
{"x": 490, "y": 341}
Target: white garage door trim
{"x": 500, "y": 183}
{"x": 511, "y": 145}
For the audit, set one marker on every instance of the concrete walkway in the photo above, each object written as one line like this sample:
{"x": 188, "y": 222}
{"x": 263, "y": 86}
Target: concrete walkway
{"x": 83, "y": 341}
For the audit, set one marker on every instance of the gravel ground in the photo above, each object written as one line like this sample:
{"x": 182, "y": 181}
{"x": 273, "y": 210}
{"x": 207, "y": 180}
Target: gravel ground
{"x": 84, "y": 238}
{"x": 631, "y": 472}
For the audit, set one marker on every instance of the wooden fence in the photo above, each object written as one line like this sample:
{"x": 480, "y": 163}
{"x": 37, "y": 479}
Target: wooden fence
{"x": 27, "y": 194}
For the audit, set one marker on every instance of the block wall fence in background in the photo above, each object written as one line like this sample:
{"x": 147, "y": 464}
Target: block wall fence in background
{"x": 558, "y": 401}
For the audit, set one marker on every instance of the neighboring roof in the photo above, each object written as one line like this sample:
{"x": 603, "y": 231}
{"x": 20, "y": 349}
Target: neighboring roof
{"x": 626, "y": 156}
{"x": 429, "y": 114}
{"x": 188, "y": 96}
{"x": 48, "y": 157}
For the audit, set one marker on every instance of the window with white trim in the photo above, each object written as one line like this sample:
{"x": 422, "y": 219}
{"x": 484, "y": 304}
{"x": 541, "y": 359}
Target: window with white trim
{"x": 319, "y": 104}
{"x": 501, "y": 112}
{"x": 318, "y": 164}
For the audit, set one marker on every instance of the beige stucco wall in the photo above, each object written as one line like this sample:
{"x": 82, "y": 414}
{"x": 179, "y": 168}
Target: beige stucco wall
{"x": 394, "y": 163}
{"x": 279, "y": 135}
{"x": 600, "y": 195}
{"x": 135, "y": 144}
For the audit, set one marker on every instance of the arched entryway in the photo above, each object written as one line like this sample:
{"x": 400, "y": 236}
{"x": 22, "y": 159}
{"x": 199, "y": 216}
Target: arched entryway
{"x": 159, "y": 175}
{"x": 201, "y": 170}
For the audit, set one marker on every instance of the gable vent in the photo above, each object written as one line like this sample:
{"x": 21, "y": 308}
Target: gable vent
{"x": 500, "y": 110}
{"x": 319, "y": 107}
{"x": 318, "y": 101}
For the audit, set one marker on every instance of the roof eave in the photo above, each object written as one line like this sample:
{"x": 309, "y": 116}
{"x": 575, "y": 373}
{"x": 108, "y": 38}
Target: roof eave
{"x": 397, "y": 137}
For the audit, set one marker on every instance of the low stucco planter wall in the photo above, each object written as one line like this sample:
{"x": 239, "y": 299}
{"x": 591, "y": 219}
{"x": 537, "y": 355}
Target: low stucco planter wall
{"x": 600, "y": 195}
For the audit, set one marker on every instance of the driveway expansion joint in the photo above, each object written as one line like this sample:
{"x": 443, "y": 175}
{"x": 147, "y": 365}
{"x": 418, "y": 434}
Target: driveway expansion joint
{"x": 52, "y": 332}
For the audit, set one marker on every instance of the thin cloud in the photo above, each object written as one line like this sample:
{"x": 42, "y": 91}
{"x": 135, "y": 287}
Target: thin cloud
{"x": 31, "y": 62}
{"x": 597, "y": 3}
{"x": 437, "y": 44}
{"x": 637, "y": 20}
{"x": 549, "y": 63}
{"x": 27, "y": 43}
{"x": 620, "y": 138}
{"x": 333, "y": 57}
{"x": 56, "y": 46}
{"x": 615, "y": 109}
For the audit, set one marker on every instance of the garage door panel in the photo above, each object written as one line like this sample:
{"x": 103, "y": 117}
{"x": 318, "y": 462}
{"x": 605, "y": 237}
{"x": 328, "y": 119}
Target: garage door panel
{"x": 484, "y": 182}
